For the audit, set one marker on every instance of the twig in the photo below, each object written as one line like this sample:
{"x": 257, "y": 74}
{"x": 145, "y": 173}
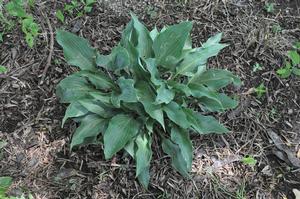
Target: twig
{"x": 50, "y": 52}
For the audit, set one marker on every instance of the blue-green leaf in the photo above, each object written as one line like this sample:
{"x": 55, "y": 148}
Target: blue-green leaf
{"x": 77, "y": 50}
{"x": 143, "y": 157}
{"x": 204, "y": 124}
{"x": 121, "y": 129}
{"x": 89, "y": 129}
{"x": 216, "y": 79}
{"x": 75, "y": 109}
{"x": 178, "y": 161}
{"x": 176, "y": 114}
{"x": 73, "y": 88}
{"x": 128, "y": 93}
{"x": 168, "y": 44}
{"x": 147, "y": 99}
{"x": 181, "y": 138}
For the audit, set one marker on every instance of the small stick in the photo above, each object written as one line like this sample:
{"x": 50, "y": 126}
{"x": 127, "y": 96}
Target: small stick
{"x": 50, "y": 52}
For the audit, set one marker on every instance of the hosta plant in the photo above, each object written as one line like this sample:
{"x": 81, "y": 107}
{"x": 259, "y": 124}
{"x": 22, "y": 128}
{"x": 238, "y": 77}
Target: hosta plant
{"x": 153, "y": 84}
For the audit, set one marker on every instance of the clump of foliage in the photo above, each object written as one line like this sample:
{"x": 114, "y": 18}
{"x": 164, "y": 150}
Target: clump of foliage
{"x": 292, "y": 65}
{"x": 147, "y": 86}
{"x": 260, "y": 90}
{"x": 269, "y": 7}
{"x": 16, "y": 8}
{"x": 75, "y": 6}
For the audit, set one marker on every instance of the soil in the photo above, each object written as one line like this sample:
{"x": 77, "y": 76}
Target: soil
{"x": 37, "y": 153}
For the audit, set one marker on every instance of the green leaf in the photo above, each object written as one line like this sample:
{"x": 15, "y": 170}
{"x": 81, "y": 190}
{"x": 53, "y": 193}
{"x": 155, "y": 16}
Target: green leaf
{"x": 260, "y": 90}
{"x": 296, "y": 71}
{"x": 216, "y": 79}
{"x": 286, "y": 71}
{"x": 147, "y": 99}
{"x": 144, "y": 41}
{"x": 127, "y": 88}
{"x": 154, "y": 33}
{"x": 178, "y": 161}
{"x": 249, "y": 160}
{"x": 144, "y": 177}
{"x": 210, "y": 105}
{"x": 90, "y": 127}
{"x": 5, "y": 182}
{"x": 15, "y": 8}
{"x": 75, "y": 109}
{"x": 168, "y": 44}
{"x": 181, "y": 138}
{"x": 102, "y": 97}
{"x": 31, "y": 29}
{"x": 204, "y": 124}
{"x": 73, "y": 88}
{"x": 3, "y": 69}
{"x": 143, "y": 157}
{"x": 117, "y": 60}
{"x": 77, "y": 50}
{"x": 121, "y": 129}
{"x": 164, "y": 95}
{"x": 96, "y": 107}
{"x": 98, "y": 79}
{"x": 59, "y": 14}
{"x": 176, "y": 114}
{"x": 199, "y": 57}
{"x": 294, "y": 56}
{"x": 152, "y": 68}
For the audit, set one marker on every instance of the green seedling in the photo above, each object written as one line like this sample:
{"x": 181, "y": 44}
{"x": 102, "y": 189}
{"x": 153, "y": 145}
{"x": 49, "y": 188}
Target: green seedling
{"x": 3, "y": 69}
{"x": 71, "y": 6}
{"x": 260, "y": 90}
{"x": 269, "y": 7}
{"x": 88, "y": 5}
{"x": 292, "y": 66}
{"x": 249, "y": 160}
{"x": 29, "y": 27}
{"x": 59, "y": 14}
{"x": 257, "y": 67}
{"x": 31, "y": 30}
{"x": 152, "y": 75}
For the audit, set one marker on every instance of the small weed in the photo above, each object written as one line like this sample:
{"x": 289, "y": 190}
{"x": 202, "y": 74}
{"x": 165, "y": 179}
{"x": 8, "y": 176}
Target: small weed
{"x": 260, "y": 90}
{"x": 16, "y": 8}
{"x": 249, "y": 160}
{"x": 59, "y": 14}
{"x": 256, "y": 67}
{"x": 291, "y": 65}
{"x": 269, "y": 7}
{"x": 3, "y": 69}
{"x": 88, "y": 5}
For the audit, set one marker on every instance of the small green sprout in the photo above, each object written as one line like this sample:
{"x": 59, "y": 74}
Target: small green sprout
{"x": 60, "y": 15}
{"x": 88, "y": 5}
{"x": 249, "y": 160}
{"x": 5, "y": 183}
{"x": 3, "y": 69}
{"x": 290, "y": 67}
{"x": 256, "y": 67}
{"x": 260, "y": 90}
{"x": 269, "y": 7}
